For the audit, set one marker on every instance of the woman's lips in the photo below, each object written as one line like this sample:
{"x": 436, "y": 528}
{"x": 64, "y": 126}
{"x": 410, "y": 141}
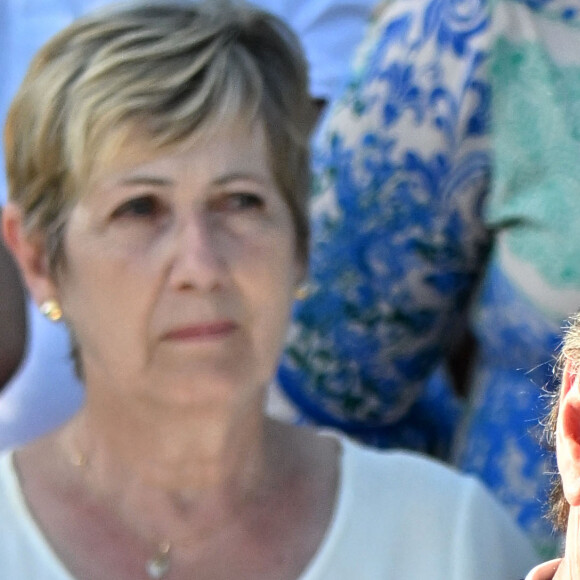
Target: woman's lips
{"x": 203, "y": 331}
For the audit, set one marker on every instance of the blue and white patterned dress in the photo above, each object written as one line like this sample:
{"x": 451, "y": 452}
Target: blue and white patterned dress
{"x": 446, "y": 187}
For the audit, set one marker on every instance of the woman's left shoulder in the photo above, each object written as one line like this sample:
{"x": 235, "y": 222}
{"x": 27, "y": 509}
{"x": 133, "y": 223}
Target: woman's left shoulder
{"x": 462, "y": 527}
{"x": 410, "y": 470}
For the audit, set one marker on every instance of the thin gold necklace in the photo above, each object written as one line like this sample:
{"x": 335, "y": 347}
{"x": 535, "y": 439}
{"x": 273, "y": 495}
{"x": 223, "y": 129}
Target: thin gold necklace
{"x": 156, "y": 567}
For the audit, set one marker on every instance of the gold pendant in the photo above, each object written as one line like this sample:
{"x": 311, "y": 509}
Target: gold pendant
{"x": 158, "y": 566}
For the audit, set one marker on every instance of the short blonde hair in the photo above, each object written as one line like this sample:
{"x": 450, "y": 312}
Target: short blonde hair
{"x": 173, "y": 68}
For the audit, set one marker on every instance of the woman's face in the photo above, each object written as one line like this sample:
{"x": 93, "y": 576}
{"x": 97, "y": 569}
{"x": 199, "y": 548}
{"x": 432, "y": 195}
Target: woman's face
{"x": 180, "y": 272}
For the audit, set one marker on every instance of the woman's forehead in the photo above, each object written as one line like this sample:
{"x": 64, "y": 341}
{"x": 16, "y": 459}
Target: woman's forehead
{"x": 134, "y": 145}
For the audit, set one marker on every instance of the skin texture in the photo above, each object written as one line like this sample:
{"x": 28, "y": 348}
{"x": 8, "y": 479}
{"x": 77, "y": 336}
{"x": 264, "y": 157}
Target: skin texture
{"x": 198, "y": 246}
{"x": 179, "y": 275}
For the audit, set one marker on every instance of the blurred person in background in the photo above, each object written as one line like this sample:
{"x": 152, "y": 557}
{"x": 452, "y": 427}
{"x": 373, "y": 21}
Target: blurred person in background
{"x": 445, "y": 200}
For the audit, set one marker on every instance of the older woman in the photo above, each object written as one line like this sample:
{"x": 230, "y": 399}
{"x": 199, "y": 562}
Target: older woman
{"x": 44, "y": 393}
{"x": 563, "y": 432}
{"x": 158, "y": 166}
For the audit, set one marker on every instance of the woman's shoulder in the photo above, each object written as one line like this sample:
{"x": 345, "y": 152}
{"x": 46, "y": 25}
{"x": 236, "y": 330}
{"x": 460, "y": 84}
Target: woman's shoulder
{"x": 7, "y": 469}
{"x": 12, "y": 505}
{"x": 9, "y": 484}
{"x": 404, "y": 504}
{"x": 402, "y": 483}
{"x": 411, "y": 471}
{"x": 404, "y": 480}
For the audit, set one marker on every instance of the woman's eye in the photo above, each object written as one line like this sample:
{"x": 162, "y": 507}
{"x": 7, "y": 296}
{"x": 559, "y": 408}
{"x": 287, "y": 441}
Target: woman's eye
{"x": 240, "y": 202}
{"x": 140, "y": 207}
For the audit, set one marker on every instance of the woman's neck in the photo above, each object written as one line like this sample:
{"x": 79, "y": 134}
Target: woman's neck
{"x": 182, "y": 478}
{"x": 202, "y": 451}
{"x": 79, "y": 473}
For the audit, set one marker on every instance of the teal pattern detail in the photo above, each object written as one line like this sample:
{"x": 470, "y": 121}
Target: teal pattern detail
{"x": 536, "y": 138}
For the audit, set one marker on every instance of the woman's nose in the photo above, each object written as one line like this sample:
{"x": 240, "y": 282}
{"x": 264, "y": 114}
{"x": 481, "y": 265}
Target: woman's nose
{"x": 198, "y": 261}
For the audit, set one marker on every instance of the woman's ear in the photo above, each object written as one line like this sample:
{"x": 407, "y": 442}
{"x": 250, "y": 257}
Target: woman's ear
{"x": 29, "y": 253}
{"x": 568, "y": 433}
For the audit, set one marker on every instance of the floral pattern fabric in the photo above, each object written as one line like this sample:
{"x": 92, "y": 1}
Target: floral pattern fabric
{"x": 447, "y": 188}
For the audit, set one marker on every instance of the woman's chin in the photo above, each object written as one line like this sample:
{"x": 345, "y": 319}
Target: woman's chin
{"x": 209, "y": 392}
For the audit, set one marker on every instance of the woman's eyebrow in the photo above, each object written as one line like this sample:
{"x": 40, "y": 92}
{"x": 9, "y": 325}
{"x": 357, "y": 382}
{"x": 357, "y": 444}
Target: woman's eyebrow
{"x": 247, "y": 175}
{"x": 144, "y": 180}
